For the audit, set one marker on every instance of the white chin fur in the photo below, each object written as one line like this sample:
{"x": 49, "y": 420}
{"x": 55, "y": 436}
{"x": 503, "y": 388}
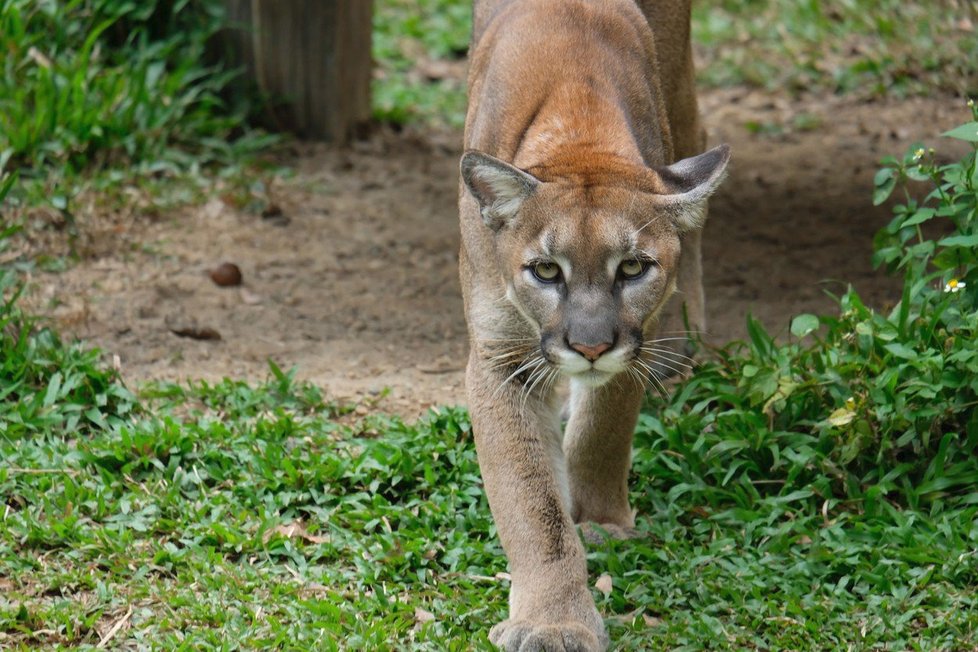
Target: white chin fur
{"x": 579, "y": 370}
{"x": 592, "y": 378}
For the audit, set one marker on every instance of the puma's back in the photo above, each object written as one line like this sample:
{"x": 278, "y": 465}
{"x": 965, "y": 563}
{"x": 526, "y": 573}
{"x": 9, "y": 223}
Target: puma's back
{"x": 590, "y": 58}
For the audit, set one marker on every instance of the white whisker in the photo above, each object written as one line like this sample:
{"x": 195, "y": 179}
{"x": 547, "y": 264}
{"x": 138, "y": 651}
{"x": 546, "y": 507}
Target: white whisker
{"x": 506, "y": 339}
{"x": 658, "y": 350}
{"x": 637, "y": 378}
{"x": 659, "y": 357}
{"x": 509, "y": 355}
{"x": 667, "y": 364}
{"x": 552, "y": 381}
{"x": 653, "y": 376}
{"x": 531, "y": 382}
{"x": 531, "y": 365}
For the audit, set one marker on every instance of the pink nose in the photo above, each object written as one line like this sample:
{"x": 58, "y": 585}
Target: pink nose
{"x": 592, "y": 353}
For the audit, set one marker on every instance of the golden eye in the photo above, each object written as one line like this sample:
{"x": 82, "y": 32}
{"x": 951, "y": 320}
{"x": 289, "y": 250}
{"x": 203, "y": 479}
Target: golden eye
{"x": 547, "y": 272}
{"x": 632, "y": 268}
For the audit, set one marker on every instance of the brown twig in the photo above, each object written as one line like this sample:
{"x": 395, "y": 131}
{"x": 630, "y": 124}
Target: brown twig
{"x": 115, "y": 629}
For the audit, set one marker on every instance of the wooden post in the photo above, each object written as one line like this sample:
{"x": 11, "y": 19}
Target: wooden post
{"x": 311, "y": 58}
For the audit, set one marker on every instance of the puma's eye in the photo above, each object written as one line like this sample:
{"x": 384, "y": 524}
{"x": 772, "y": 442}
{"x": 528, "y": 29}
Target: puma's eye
{"x": 546, "y": 272}
{"x": 632, "y": 268}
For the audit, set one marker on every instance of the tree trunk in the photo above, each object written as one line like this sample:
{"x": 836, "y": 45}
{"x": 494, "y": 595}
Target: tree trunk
{"x": 311, "y": 58}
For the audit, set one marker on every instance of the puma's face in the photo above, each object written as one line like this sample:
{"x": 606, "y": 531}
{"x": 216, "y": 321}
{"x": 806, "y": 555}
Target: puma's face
{"x": 589, "y": 271}
{"x": 590, "y": 266}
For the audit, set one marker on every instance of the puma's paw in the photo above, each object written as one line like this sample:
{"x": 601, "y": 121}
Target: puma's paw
{"x": 527, "y": 636}
{"x": 594, "y": 535}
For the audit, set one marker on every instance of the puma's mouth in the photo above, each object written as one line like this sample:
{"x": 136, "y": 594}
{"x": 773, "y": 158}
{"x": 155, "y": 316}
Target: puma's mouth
{"x": 592, "y": 374}
{"x": 598, "y": 372}
{"x": 578, "y": 368}
{"x": 592, "y": 377}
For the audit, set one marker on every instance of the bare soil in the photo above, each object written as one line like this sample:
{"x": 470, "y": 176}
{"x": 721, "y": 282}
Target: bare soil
{"x": 355, "y": 283}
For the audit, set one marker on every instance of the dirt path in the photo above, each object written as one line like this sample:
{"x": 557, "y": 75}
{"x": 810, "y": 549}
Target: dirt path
{"x": 356, "y": 282}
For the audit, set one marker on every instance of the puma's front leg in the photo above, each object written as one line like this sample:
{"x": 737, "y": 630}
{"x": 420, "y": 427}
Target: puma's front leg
{"x": 518, "y": 443}
{"x": 598, "y": 448}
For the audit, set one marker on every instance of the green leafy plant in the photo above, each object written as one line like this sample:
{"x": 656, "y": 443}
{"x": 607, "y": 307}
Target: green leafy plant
{"x": 118, "y": 88}
{"x": 864, "y": 408}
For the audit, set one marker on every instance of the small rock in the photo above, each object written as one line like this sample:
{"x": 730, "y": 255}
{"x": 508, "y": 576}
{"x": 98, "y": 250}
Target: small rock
{"x": 249, "y": 298}
{"x": 226, "y": 275}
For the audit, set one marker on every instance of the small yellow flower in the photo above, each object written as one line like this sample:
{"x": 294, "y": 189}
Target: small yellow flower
{"x": 954, "y": 285}
{"x": 971, "y": 104}
{"x": 918, "y": 154}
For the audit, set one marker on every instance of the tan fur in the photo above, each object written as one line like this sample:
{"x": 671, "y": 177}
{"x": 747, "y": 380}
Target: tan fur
{"x": 576, "y": 228}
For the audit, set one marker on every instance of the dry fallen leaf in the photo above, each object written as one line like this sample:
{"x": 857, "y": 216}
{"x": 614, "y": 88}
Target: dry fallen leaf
{"x": 293, "y": 530}
{"x": 423, "y": 616}
{"x": 604, "y": 584}
{"x": 651, "y": 621}
{"x": 213, "y": 209}
{"x": 841, "y": 417}
{"x": 271, "y": 211}
{"x": 39, "y": 58}
{"x": 196, "y": 333}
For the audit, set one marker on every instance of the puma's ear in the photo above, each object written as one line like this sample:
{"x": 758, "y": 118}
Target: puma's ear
{"x": 686, "y": 184}
{"x": 499, "y": 187}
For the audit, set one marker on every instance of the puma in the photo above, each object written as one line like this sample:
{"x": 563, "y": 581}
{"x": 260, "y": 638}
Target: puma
{"x": 577, "y": 223}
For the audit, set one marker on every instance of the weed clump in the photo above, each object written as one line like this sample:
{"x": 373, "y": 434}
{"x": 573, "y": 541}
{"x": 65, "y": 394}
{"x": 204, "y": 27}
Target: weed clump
{"x": 862, "y": 410}
{"x": 126, "y": 92}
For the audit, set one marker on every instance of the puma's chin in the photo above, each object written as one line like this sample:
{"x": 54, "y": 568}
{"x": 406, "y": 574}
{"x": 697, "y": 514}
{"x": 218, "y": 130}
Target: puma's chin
{"x": 591, "y": 377}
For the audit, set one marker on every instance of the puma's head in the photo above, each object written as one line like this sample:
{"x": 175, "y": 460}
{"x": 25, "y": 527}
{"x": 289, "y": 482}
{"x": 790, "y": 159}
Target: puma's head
{"x": 590, "y": 259}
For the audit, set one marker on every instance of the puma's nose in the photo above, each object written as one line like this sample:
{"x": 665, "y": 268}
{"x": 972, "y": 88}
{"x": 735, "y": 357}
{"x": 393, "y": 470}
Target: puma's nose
{"x": 592, "y": 353}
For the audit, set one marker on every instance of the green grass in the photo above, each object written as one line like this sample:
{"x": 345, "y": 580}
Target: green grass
{"x": 257, "y": 517}
{"x": 254, "y": 518}
{"x": 407, "y": 32}
{"x": 863, "y": 47}
{"x": 809, "y": 495}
